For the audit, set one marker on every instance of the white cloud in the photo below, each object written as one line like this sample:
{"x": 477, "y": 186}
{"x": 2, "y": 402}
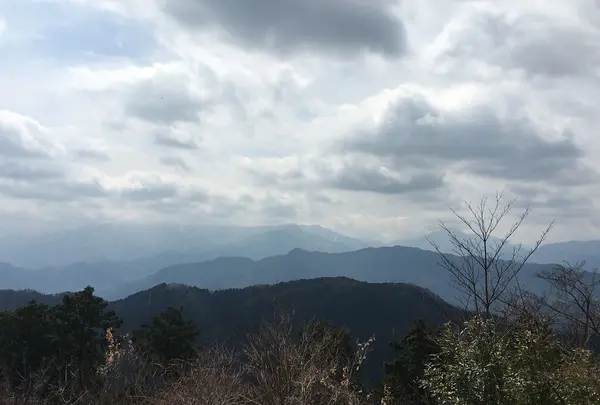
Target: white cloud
{"x": 23, "y": 137}
{"x": 372, "y": 128}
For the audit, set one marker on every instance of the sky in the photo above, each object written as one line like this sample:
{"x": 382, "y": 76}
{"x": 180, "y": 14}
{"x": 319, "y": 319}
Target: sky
{"x": 367, "y": 117}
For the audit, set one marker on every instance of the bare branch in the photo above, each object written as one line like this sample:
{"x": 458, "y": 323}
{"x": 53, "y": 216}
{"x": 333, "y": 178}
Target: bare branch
{"x": 480, "y": 268}
{"x": 574, "y": 297}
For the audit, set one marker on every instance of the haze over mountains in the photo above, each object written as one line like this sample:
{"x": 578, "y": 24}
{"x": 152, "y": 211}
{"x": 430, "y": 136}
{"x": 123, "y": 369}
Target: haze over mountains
{"x": 121, "y": 260}
{"x": 570, "y": 251}
{"x": 171, "y": 243}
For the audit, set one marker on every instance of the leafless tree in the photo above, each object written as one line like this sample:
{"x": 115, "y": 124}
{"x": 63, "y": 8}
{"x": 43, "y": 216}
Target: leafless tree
{"x": 573, "y": 296}
{"x": 484, "y": 266}
{"x": 308, "y": 371}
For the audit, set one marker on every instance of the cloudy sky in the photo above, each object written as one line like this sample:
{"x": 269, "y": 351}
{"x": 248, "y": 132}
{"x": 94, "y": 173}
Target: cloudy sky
{"x": 368, "y": 117}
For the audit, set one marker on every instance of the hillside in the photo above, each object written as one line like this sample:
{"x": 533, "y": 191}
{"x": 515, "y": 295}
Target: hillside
{"x": 384, "y": 310}
{"x": 375, "y": 265}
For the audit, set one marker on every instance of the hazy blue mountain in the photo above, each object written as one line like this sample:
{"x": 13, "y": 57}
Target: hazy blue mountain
{"x": 111, "y": 243}
{"x": 169, "y": 244}
{"x": 376, "y": 265}
{"x": 547, "y": 253}
{"x": 154, "y": 255}
{"x": 279, "y": 240}
{"x": 54, "y": 280}
{"x": 440, "y": 238}
{"x": 572, "y": 252}
{"x": 14, "y": 277}
{"x": 251, "y": 242}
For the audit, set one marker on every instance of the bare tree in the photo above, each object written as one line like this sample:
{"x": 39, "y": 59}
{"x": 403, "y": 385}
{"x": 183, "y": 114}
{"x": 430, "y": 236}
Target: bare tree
{"x": 485, "y": 266}
{"x": 310, "y": 370}
{"x": 573, "y": 297}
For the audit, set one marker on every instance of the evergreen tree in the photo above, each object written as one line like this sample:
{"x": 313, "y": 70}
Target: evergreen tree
{"x": 26, "y": 343}
{"x": 81, "y": 324}
{"x": 168, "y": 337}
{"x": 51, "y": 346}
{"x": 402, "y": 375}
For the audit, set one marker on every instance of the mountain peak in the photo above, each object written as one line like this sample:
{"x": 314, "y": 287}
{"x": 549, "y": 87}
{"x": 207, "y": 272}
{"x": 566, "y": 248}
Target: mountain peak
{"x": 296, "y": 252}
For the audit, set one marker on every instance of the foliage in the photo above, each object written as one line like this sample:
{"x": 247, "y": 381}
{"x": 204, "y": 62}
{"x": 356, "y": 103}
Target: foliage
{"x": 483, "y": 363}
{"x": 27, "y": 343}
{"x": 167, "y": 337}
{"x": 402, "y": 375}
{"x": 45, "y": 348}
{"x": 74, "y": 352}
{"x": 81, "y": 321}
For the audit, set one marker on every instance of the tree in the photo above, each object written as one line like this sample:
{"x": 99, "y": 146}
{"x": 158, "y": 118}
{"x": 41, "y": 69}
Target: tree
{"x": 337, "y": 339}
{"x": 485, "y": 270}
{"x": 167, "y": 337}
{"x": 335, "y": 347}
{"x": 574, "y": 298}
{"x": 284, "y": 370}
{"x": 483, "y": 363}
{"x": 59, "y": 348}
{"x": 81, "y": 323}
{"x": 26, "y": 344}
{"x": 403, "y": 375}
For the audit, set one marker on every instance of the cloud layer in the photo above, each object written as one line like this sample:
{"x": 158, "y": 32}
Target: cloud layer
{"x": 369, "y": 117}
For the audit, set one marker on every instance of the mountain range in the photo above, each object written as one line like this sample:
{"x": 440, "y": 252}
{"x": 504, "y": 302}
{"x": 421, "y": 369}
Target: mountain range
{"x": 132, "y": 243}
{"x": 548, "y": 253}
{"x": 234, "y": 257}
{"x": 397, "y": 264}
{"x": 73, "y": 264}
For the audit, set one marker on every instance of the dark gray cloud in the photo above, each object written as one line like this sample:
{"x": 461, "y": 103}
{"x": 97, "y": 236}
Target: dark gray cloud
{"x": 373, "y": 180}
{"x": 197, "y": 196}
{"x": 61, "y": 189}
{"x": 557, "y": 54}
{"x": 286, "y": 26}
{"x": 539, "y": 45}
{"x": 13, "y": 170}
{"x": 53, "y": 191}
{"x": 354, "y": 176}
{"x": 415, "y": 134}
{"x": 554, "y": 201}
{"x": 171, "y": 141}
{"x": 163, "y": 99}
{"x": 174, "y": 161}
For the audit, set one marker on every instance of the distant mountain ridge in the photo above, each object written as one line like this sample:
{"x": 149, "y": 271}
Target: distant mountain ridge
{"x": 127, "y": 243}
{"x": 374, "y": 265}
{"x": 571, "y": 252}
{"x": 226, "y": 257}
{"x": 440, "y": 238}
{"x": 255, "y": 243}
{"x": 548, "y": 253}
